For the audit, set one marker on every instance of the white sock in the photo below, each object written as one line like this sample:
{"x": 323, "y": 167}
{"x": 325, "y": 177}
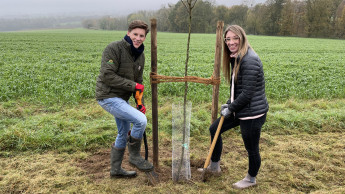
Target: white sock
{"x": 215, "y": 166}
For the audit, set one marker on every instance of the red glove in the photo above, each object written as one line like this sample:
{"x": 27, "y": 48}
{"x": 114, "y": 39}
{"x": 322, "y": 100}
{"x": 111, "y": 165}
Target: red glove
{"x": 141, "y": 108}
{"x": 139, "y": 87}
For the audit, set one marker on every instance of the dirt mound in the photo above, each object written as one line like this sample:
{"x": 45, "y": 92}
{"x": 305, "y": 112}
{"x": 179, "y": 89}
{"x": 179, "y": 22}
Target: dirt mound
{"x": 97, "y": 165}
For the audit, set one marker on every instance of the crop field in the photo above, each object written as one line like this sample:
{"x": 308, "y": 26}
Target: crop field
{"x": 61, "y": 66}
{"x": 52, "y": 129}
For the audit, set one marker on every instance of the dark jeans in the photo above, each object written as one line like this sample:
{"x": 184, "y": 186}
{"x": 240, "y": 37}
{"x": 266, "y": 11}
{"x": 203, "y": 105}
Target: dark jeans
{"x": 250, "y": 130}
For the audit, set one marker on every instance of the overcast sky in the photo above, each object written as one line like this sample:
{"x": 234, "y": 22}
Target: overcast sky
{"x": 32, "y": 8}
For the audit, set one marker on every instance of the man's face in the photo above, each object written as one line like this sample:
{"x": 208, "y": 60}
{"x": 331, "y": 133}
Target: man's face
{"x": 137, "y": 36}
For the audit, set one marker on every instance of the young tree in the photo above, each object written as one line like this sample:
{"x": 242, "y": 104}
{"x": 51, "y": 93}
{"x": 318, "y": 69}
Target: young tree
{"x": 189, "y": 5}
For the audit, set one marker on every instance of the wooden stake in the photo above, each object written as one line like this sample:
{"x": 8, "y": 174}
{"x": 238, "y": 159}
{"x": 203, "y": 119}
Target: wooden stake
{"x": 216, "y": 70}
{"x": 154, "y": 90}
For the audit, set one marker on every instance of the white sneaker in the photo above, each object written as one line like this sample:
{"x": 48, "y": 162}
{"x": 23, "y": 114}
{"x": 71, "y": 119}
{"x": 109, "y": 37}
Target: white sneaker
{"x": 248, "y": 181}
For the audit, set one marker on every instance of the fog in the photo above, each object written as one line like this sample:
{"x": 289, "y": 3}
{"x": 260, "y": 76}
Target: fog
{"x": 32, "y": 8}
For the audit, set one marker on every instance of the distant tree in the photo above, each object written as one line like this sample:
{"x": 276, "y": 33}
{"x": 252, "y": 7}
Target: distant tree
{"x": 219, "y": 13}
{"x": 340, "y": 21}
{"x": 273, "y": 16}
{"x": 307, "y": 18}
{"x": 248, "y": 3}
{"x": 256, "y": 18}
{"x": 162, "y": 16}
{"x": 299, "y": 27}
{"x": 335, "y": 4}
{"x": 318, "y": 17}
{"x": 104, "y": 23}
{"x": 237, "y": 14}
{"x": 178, "y": 18}
{"x": 203, "y": 17}
{"x": 253, "y": 20}
{"x": 287, "y": 19}
{"x": 140, "y": 15}
{"x": 90, "y": 24}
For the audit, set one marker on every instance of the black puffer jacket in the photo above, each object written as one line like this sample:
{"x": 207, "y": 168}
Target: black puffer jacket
{"x": 250, "y": 98}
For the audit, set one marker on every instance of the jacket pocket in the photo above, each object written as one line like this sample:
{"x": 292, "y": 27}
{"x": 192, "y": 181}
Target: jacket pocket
{"x": 137, "y": 69}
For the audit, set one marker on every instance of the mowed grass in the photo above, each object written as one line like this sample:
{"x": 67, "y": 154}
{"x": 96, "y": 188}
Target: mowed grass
{"x": 50, "y": 122}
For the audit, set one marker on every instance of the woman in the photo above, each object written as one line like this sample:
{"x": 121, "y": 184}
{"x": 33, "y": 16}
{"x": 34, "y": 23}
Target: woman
{"x": 247, "y": 105}
{"x": 121, "y": 74}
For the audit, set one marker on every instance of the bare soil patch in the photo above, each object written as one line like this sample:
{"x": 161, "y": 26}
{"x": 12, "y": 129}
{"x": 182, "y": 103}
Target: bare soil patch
{"x": 97, "y": 165}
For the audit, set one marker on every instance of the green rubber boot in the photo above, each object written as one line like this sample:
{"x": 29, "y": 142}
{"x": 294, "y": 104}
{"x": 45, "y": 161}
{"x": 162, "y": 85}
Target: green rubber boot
{"x": 116, "y": 157}
{"x": 135, "y": 158}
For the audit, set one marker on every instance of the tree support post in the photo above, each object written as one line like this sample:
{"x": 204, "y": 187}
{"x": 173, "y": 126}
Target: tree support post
{"x": 216, "y": 70}
{"x": 154, "y": 90}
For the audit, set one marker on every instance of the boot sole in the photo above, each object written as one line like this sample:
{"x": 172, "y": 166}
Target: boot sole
{"x": 240, "y": 188}
{"x": 142, "y": 170}
{"x": 123, "y": 176}
{"x": 210, "y": 173}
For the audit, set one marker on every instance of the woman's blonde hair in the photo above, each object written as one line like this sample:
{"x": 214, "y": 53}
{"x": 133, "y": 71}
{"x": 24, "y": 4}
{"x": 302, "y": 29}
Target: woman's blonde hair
{"x": 243, "y": 49}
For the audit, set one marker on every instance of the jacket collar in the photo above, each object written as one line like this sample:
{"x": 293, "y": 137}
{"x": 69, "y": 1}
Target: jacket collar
{"x": 135, "y": 51}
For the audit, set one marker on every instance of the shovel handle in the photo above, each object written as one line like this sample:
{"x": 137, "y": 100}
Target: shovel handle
{"x": 207, "y": 162}
{"x": 139, "y": 96}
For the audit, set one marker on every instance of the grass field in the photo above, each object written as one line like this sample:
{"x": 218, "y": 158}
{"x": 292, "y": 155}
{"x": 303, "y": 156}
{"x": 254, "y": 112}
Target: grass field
{"x": 55, "y": 138}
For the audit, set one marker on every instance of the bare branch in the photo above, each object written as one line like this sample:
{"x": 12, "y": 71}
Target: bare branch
{"x": 192, "y": 6}
{"x": 184, "y": 4}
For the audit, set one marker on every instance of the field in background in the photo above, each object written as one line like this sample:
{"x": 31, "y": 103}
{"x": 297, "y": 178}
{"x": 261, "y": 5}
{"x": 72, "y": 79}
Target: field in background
{"x": 51, "y": 126}
{"x": 61, "y": 66}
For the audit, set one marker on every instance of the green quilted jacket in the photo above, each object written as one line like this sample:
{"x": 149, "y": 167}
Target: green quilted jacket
{"x": 119, "y": 73}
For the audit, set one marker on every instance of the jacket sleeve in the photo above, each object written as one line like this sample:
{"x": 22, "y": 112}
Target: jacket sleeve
{"x": 109, "y": 67}
{"x": 250, "y": 70}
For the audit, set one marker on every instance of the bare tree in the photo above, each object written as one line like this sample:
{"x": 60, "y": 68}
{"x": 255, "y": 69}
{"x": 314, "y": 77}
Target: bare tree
{"x": 189, "y": 4}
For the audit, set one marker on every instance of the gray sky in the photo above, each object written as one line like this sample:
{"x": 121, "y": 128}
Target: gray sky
{"x": 32, "y": 8}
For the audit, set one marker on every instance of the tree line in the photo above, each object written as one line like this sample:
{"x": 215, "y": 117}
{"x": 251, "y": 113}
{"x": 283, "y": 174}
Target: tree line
{"x": 47, "y": 22}
{"x": 303, "y": 18}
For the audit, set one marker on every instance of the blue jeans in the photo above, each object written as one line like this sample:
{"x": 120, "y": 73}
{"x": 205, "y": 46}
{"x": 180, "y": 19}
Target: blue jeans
{"x": 124, "y": 115}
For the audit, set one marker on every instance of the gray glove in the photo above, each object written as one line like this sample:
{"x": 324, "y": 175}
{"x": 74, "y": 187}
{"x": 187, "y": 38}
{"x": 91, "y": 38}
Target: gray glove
{"x": 224, "y": 111}
{"x": 222, "y": 107}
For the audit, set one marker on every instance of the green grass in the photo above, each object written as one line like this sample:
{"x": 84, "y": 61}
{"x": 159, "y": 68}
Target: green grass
{"x": 61, "y": 66}
{"x": 50, "y": 123}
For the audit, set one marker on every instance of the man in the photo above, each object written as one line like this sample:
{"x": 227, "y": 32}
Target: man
{"x": 121, "y": 74}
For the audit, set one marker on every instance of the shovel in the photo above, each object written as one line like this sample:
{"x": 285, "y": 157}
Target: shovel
{"x": 207, "y": 162}
{"x": 151, "y": 175}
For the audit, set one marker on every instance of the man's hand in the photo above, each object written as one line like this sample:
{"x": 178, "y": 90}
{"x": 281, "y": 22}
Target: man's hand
{"x": 139, "y": 87}
{"x": 141, "y": 108}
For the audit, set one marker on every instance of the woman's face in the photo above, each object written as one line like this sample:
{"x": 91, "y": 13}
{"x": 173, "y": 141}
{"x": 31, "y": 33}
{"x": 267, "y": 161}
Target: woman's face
{"x": 137, "y": 36}
{"x": 232, "y": 41}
